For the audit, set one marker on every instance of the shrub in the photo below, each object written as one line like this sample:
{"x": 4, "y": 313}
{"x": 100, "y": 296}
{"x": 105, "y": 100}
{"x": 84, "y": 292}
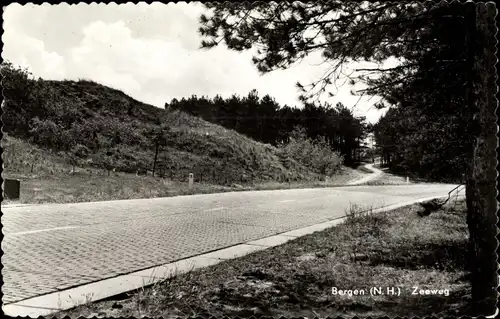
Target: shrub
{"x": 315, "y": 154}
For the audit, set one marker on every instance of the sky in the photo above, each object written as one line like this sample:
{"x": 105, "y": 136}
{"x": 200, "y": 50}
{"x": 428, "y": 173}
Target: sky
{"x": 151, "y": 52}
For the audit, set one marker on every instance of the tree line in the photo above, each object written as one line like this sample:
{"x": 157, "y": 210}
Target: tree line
{"x": 429, "y": 129}
{"x": 409, "y": 144}
{"x": 265, "y": 120}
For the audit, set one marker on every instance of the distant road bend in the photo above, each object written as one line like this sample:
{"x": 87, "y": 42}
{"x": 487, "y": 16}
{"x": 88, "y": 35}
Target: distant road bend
{"x": 52, "y": 247}
{"x": 370, "y": 177}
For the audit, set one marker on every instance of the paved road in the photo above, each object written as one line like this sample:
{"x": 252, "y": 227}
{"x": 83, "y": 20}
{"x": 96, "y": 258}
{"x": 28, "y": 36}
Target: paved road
{"x": 52, "y": 247}
{"x": 370, "y": 177}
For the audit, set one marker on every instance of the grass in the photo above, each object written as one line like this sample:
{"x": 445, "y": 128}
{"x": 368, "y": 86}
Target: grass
{"x": 363, "y": 169}
{"x": 388, "y": 179}
{"x": 397, "y": 176}
{"x": 47, "y": 177}
{"x": 99, "y": 128}
{"x": 396, "y": 249}
{"x": 92, "y": 122}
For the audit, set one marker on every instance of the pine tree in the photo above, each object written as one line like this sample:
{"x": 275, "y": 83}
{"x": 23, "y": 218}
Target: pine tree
{"x": 442, "y": 46}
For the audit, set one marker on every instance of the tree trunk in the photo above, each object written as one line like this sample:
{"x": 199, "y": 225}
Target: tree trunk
{"x": 481, "y": 177}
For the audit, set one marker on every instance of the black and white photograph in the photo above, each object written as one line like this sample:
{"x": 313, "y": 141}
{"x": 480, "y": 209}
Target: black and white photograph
{"x": 258, "y": 159}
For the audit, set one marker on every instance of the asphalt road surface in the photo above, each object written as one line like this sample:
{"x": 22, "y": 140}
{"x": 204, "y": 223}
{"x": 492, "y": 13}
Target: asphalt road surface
{"x": 53, "y": 247}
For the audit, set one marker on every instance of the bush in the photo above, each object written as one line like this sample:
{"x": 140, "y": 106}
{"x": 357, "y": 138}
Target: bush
{"x": 315, "y": 154}
{"x": 45, "y": 132}
{"x": 80, "y": 151}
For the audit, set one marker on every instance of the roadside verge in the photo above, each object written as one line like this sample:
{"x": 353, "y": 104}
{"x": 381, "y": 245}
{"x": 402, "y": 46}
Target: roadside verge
{"x": 67, "y": 299}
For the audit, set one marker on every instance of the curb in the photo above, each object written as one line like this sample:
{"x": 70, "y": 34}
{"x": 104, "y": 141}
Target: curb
{"x": 66, "y": 299}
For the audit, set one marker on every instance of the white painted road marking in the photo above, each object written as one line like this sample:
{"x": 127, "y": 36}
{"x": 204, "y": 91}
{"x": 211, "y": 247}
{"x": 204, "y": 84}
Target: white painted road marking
{"x": 214, "y": 209}
{"x": 287, "y": 200}
{"x": 41, "y": 230}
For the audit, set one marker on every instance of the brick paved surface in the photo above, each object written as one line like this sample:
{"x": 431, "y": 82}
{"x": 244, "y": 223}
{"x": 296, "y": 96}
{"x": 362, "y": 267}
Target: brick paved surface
{"x": 42, "y": 254}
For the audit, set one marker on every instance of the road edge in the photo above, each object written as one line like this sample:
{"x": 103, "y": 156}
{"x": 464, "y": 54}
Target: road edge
{"x": 52, "y": 303}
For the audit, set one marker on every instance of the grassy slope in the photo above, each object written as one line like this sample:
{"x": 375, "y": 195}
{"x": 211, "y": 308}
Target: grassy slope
{"x": 193, "y": 145}
{"x": 46, "y": 178}
{"x": 393, "y": 249}
{"x": 90, "y": 113}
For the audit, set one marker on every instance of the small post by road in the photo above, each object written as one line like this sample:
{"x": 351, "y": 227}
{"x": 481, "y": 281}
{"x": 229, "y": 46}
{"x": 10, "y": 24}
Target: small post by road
{"x": 407, "y": 180}
{"x": 191, "y": 180}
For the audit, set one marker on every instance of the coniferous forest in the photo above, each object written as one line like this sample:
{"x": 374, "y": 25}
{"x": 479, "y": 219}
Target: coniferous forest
{"x": 266, "y": 121}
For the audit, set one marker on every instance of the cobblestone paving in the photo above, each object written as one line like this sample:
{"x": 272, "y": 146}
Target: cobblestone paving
{"x": 118, "y": 237}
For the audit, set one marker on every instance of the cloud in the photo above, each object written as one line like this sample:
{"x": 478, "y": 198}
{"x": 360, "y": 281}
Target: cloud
{"x": 151, "y": 52}
{"x": 29, "y": 52}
